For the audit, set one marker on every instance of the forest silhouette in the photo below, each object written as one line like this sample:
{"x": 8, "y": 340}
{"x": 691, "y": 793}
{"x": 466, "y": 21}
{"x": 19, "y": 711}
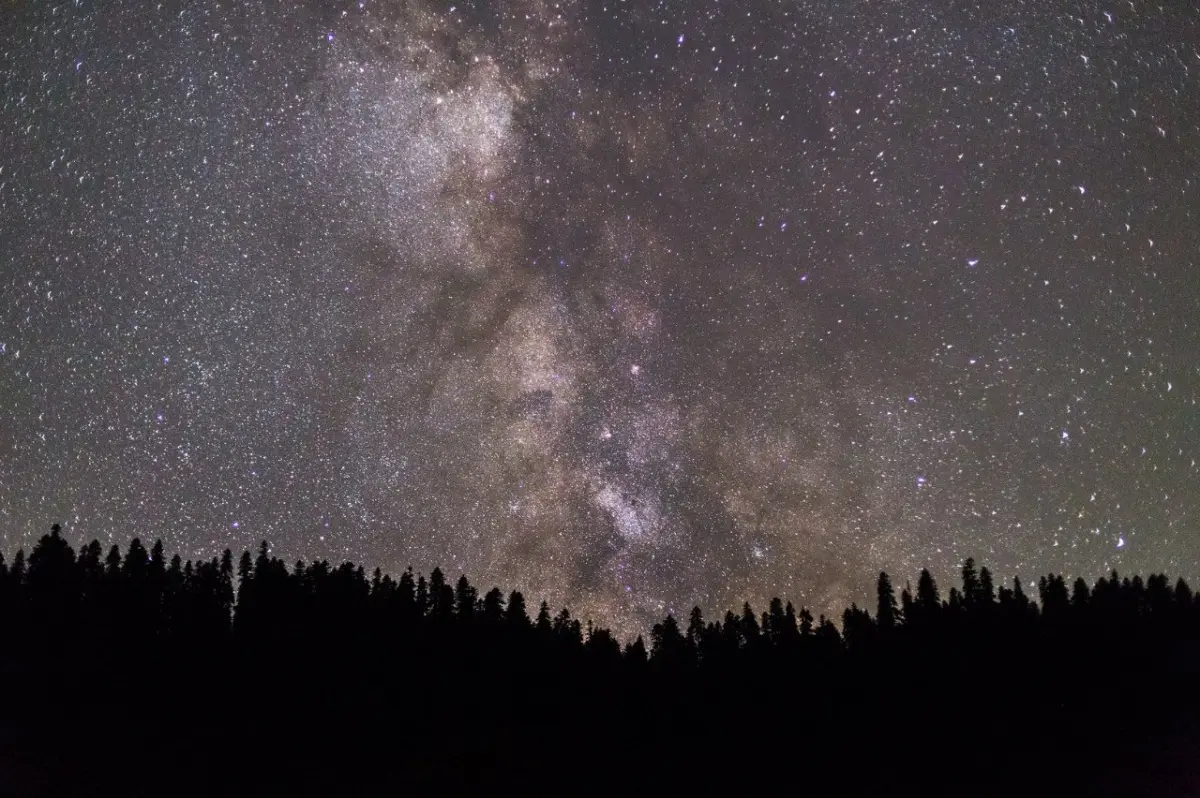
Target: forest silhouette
{"x": 134, "y": 674}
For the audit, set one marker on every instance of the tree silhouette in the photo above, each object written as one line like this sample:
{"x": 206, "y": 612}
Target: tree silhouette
{"x": 515, "y": 614}
{"x": 885, "y": 602}
{"x": 441, "y": 596}
{"x": 828, "y": 637}
{"x": 144, "y": 621}
{"x": 696, "y": 633}
{"x": 806, "y": 622}
{"x": 858, "y": 627}
{"x": 543, "y": 625}
{"x": 1053, "y": 593}
{"x": 790, "y": 634}
{"x": 986, "y": 595}
{"x": 668, "y": 648}
{"x": 971, "y": 587}
{"x": 1183, "y": 594}
{"x": 928, "y": 602}
{"x": 465, "y": 597}
{"x": 635, "y": 652}
{"x": 421, "y": 597}
{"x": 748, "y": 627}
{"x": 492, "y": 609}
{"x": 1080, "y": 594}
{"x": 775, "y": 621}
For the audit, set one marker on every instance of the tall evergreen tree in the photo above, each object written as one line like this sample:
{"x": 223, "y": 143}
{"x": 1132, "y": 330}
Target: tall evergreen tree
{"x": 806, "y": 622}
{"x": 928, "y": 600}
{"x": 515, "y": 614}
{"x": 465, "y": 597}
{"x": 828, "y": 638}
{"x": 406, "y": 594}
{"x": 1080, "y": 594}
{"x": 245, "y": 569}
{"x": 543, "y": 624}
{"x": 791, "y": 633}
{"x": 885, "y": 602}
{"x": 970, "y": 582}
{"x": 493, "y": 606}
{"x": 857, "y": 627}
{"x": 441, "y": 596}
{"x": 773, "y": 621}
{"x": 1183, "y": 594}
{"x": 987, "y": 591}
{"x": 748, "y": 627}
{"x": 422, "y": 597}
{"x": 695, "y": 632}
{"x": 731, "y": 632}
{"x": 635, "y": 652}
{"x": 668, "y": 647}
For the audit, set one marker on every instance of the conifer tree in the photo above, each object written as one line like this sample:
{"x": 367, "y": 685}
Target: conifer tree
{"x": 928, "y": 600}
{"x": 667, "y": 645}
{"x": 1080, "y": 594}
{"x": 515, "y": 614}
{"x": 970, "y": 583}
{"x": 775, "y": 621}
{"x": 635, "y": 652}
{"x": 1183, "y": 594}
{"x": 987, "y": 591}
{"x": 885, "y": 602}
{"x": 543, "y": 624}
{"x": 748, "y": 627}
{"x": 464, "y": 598}
{"x": 791, "y": 633}
{"x": 245, "y": 569}
{"x": 421, "y": 597}
{"x": 441, "y": 596}
{"x": 406, "y": 594}
{"x": 1020, "y": 600}
{"x": 806, "y": 622}
{"x": 828, "y": 638}
{"x": 493, "y": 606}
{"x": 695, "y": 632}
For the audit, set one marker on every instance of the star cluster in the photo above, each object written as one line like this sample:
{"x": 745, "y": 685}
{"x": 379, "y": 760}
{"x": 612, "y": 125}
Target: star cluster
{"x": 632, "y": 305}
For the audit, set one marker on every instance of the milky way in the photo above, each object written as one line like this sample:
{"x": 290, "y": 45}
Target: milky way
{"x": 633, "y": 306}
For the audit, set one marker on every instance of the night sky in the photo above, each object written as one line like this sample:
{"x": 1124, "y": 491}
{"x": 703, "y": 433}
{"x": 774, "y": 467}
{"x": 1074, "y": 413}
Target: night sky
{"x": 630, "y": 305}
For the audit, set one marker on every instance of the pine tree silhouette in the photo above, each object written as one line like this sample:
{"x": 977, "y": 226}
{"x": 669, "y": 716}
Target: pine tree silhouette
{"x": 326, "y": 651}
{"x": 928, "y": 602}
{"x": 986, "y": 595}
{"x": 885, "y": 602}
{"x": 635, "y": 652}
{"x": 1080, "y": 595}
{"x": 515, "y": 614}
{"x": 806, "y": 622}
{"x": 696, "y": 633}
{"x": 970, "y": 583}
{"x": 543, "y": 625}
{"x": 465, "y": 597}
{"x": 492, "y": 609}
{"x": 748, "y": 628}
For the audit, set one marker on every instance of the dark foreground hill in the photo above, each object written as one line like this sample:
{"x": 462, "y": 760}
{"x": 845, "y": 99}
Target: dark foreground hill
{"x": 133, "y": 675}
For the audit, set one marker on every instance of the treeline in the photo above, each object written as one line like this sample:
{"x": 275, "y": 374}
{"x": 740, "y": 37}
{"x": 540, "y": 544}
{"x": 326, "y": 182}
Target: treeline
{"x": 57, "y": 597}
{"x": 338, "y": 677}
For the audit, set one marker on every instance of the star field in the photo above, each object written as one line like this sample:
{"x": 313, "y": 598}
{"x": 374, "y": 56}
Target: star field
{"x": 630, "y": 305}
